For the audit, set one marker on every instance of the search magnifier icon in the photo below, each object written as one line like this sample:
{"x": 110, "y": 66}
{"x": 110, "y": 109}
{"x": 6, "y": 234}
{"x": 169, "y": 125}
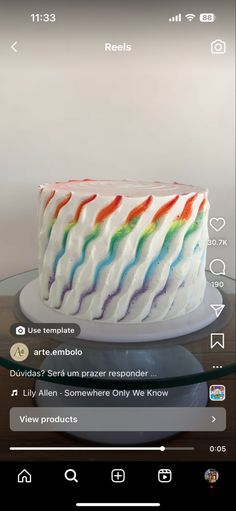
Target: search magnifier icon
{"x": 70, "y": 475}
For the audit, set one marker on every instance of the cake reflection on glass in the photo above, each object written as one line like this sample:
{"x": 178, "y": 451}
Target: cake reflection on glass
{"x": 122, "y": 251}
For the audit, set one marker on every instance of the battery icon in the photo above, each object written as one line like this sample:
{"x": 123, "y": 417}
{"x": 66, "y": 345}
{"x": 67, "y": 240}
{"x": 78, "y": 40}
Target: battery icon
{"x": 207, "y": 17}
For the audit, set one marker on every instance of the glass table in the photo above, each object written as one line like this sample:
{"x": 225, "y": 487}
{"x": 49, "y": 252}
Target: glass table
{"x": 197, "y": 343}
{"x": 182, "y": 365}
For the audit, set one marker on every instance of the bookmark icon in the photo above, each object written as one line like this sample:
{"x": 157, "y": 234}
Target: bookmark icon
{"x": 217, "y": 339}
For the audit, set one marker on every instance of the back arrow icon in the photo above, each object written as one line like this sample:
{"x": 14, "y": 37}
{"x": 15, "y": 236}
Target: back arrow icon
{"x": 213, "y": 419}
{"x": 13, "y": 47}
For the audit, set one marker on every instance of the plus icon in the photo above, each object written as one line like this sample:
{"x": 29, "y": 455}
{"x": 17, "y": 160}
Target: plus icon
{"x": 118, "y": 475}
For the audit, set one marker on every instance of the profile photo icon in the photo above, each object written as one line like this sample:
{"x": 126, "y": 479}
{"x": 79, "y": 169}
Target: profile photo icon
{"x": 211, "y": 475}
{"x": 218, "y": 47}
{"x": 20, "y": 330}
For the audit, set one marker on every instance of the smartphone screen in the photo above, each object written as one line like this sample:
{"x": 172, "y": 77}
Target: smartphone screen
{"x": 117, "y": 353}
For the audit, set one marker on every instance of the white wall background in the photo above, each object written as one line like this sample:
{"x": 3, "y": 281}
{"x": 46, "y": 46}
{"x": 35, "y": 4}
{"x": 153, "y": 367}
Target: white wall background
{"x": 68, "y": 110}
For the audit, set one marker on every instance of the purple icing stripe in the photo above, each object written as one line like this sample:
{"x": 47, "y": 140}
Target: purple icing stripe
{"x": 107, "y": 301}
{"x": 137, "y": 293}
{"x": 162, "y": 292}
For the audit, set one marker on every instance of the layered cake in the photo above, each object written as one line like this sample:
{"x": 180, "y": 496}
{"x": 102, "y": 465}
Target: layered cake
{"x": 122, "y": 251}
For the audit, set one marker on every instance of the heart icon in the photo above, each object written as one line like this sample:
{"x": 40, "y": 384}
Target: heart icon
{"x": 217, "y": 223}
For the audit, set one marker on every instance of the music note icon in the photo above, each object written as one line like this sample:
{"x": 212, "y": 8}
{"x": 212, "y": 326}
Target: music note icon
{"x": 14, "y": 392}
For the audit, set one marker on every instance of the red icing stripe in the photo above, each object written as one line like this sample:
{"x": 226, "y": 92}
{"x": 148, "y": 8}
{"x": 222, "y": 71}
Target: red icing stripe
{"x": 77, "y": 180}
{"x": 108, "y": 210}
{"x": 49, "y": 198}
{"x": 61, "y": 205}
{"x": 201, "y": 207}
{"x": 82, "y": 204}
{"x": 187, "y": 211}
{"x": 139, "y": 209}
{"x": 164, "y": 209}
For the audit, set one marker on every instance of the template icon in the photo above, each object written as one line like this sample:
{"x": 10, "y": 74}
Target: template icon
{"x": 164, "y": 475}
{"x": 217, "y": 308}
{"x": 20, "y": 330}
{"x": 217, "y": 392}
{"x": 218, "y": 339}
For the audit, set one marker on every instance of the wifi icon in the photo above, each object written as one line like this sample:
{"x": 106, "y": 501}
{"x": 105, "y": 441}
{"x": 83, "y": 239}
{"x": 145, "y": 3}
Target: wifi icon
{"x": 190, "y": 17}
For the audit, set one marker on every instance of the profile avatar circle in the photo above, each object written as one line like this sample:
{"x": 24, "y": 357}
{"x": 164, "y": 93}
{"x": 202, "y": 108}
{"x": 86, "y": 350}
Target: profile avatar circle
{"x": 211, "y": 475}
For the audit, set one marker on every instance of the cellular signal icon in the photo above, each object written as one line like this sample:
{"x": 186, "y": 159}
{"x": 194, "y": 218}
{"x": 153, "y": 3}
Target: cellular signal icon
{"x": 175, "y": 18}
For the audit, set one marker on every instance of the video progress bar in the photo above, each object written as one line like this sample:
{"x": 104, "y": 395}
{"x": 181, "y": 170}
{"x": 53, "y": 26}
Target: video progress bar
{"x": 162, "y": 448}
{"x": 118, "y": 504}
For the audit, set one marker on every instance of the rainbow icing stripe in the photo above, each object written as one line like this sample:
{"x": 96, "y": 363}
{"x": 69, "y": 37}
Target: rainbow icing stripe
{"x": 129, "y": 224}
{"x": 102, "y": 215}
{"x": 193, "y": 228}
{"x": 61, "y": 205}
{"x": 174, "y": 228}
{"x": 162, "y": 211}
{"x": 66, "y": 233}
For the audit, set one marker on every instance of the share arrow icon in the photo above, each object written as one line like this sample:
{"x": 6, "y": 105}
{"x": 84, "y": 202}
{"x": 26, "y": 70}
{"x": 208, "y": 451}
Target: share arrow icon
{"x": 217, "y": 308}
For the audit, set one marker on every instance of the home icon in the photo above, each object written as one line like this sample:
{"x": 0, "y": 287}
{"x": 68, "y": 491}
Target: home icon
{"x": 24, "y": 477}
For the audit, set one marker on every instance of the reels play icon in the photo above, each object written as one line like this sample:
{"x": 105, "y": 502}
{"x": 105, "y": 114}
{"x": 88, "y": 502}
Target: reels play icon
{"x": 164, "y": 475}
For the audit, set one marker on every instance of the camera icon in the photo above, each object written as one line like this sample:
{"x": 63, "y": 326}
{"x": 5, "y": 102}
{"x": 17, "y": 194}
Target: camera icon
{"x": 218, "y": 47}
{"x": 20, "y": 330}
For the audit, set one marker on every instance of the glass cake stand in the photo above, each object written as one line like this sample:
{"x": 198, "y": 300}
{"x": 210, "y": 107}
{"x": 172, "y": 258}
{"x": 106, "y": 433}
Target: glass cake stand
{"x": 182, "y": 365}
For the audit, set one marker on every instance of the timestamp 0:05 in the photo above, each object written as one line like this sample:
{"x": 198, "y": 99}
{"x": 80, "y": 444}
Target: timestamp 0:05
{"x": 218, "y": 448}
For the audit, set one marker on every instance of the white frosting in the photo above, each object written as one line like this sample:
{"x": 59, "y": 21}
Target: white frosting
{"x": 123, "y": 187}
{"x": 177, "y": 281}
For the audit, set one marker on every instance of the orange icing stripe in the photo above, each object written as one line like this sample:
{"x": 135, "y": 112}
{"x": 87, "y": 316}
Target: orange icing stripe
{"x": 79, "y": 209}
{"x": 60, "y": 205}
{"x": 202, "y": 204}
{"x": 51, "y": 195}
{"x": 139, "y": 209}
{"x": 187, "y": 211}
{"x": 164, "y": 209}
{"x": 108, "y": 210}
